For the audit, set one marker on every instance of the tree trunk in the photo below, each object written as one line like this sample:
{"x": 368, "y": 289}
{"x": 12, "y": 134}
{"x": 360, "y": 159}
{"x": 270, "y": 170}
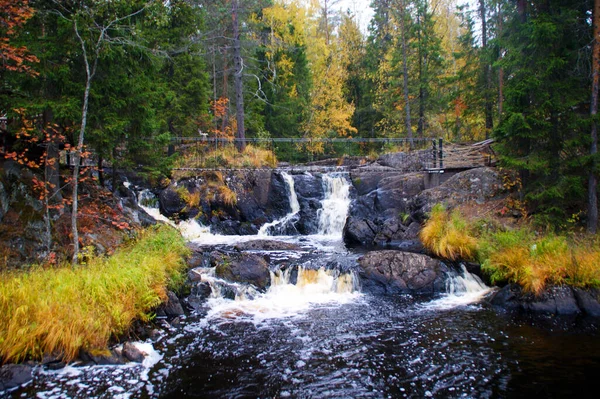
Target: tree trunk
{"x": 421, "y": 122}
{"x": 487, "y": 75}
{"x": 592, "y": 225}
{"x": 238, "y": 83}
{"x": 409, "y": 131}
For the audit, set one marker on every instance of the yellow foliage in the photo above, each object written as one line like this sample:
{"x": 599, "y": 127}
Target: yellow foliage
{"x": 63, "y": 310}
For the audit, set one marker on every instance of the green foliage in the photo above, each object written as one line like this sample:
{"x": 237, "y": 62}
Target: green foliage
{"x": 63, "y": 310}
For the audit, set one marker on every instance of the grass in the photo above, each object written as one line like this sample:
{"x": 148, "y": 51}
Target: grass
{"x": 447, "y": 235}
{"x": 228, "y": 157}
{"x": 63, "y": 310}
{"x": 531, "y": 259}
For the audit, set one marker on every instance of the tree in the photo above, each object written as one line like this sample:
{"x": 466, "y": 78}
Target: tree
{"x": 592, "y": 224}
{"x": 94, "y": 26}
{"x": 13, "y": 15}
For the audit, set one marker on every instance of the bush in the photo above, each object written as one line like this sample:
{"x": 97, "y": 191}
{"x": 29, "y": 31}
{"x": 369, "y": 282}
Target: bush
{"x": 63, "y": 310}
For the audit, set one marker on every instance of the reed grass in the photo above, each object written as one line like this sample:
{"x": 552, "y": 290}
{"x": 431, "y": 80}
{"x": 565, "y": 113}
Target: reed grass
{"x": 62, "y": 310}
{"x": 531, "y": 259}
{"x": 446, "y": 234}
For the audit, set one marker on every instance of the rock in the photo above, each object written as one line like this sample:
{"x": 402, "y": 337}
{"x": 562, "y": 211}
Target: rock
{"x": 588, "y": 301}
{"x": 557, "y": 300}
{"x": 14, "y": 375}
{"x": 132, "y": 353}
{"x": 397, "y": 272}
{"x": 378, "y": 214}
{"x": 170, "y": 202}
{"x": 171, "y": 308}
{"x": 266, "y": 245}
{"x": 359, "y": 232}
{"x": 473, "y": 185}
{"x": 244, "y": 268}
{"x": 102, "y": 359}
{"x": 310, "y": 193}
{"x": 194, "y": 276}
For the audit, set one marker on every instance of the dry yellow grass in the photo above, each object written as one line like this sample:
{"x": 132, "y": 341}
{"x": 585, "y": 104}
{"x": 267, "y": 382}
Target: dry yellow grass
{"x": 521, "y": 256}
{"x": 63, "y": 310}
{"x": 446, "y": 235}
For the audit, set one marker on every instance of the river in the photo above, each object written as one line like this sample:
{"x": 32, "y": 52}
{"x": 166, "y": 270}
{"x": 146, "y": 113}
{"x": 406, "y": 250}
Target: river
{"x": 316, "y": 335}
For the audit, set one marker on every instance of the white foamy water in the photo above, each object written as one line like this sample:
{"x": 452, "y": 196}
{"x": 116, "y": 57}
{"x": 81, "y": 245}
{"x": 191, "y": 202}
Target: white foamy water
{"x": 462, "y": 289}
{"x": 284, "y": 299}
{"x": 294, "y": 205}
{"x": 332, "y": 215}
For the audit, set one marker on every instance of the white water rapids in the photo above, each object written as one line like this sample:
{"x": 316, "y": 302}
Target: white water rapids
{"x": 314, "y": 286}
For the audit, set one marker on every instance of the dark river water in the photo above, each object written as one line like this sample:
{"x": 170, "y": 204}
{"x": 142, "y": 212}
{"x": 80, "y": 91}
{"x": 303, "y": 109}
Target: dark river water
{"x": 322, "y": 338}
{"x": 368, "y": 347}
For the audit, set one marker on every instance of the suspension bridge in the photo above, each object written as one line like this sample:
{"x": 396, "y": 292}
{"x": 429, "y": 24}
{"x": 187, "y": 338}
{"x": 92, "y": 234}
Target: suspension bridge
{"x": 337, "y": 154}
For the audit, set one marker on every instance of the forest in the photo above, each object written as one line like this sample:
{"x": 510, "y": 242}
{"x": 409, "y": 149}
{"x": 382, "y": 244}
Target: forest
{"x": 119, "y": 79}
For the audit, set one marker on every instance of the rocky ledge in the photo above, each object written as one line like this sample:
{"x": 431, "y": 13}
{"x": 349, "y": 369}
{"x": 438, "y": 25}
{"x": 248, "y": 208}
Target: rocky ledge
{"x": 555, "y": 300}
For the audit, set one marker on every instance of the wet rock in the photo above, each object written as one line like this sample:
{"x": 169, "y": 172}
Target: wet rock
{"x": 588, "y": 301}
{"x": 170, "y": 202}
{"x": 171, "y": 308}
{"x": 397, "y": 272}
{"x": 557, "y": 300}
{"x": 379, "y": 214}
{"x": 244, "y": 268}
{"x": 359, "y": 232}
{"x": 199, "y": 294}
{"x": 14, "y": 375}
{"x": 194, "y": 276}
{"x": 132, "y": 353}
{"x": 310, "y": 193}
{"x": 106, "y": 358}
{"x": 266, "y": 245}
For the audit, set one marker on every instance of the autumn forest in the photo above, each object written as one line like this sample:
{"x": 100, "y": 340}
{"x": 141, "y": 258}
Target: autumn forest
{"x": 119, "y": 77}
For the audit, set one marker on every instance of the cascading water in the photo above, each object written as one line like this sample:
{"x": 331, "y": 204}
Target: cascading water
{"x": 280, "y": 224}
{"x": 332, "y": 215}
{"x": 461, "y": 289}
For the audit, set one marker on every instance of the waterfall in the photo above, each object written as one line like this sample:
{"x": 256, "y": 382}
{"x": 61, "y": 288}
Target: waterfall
{"x": 283, "y": 298}
{"x": 332, "y": 215}
{"x": 462, "y": 289}
{"x": 280, "y": 224}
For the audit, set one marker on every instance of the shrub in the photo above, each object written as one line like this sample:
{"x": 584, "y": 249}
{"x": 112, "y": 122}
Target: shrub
{"x": 63, "y": 310}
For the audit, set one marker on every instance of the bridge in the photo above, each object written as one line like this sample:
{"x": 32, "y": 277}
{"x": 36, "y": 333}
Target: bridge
{"x": 338, "y": 154}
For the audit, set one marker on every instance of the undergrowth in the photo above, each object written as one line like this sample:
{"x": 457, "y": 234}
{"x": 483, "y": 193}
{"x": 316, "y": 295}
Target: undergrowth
{"x": 62, "y": 310}
{"x": 529, "y": 258}
{"x": 227, "y": 157}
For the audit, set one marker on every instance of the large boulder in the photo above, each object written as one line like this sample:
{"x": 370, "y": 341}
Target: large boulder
{"x": 170, "y": 202}
{"x": 379, "y": 213}
{"x": 242, "y": 268}
{"x": 396, "y": 272}
{"x": 474, "y": 185}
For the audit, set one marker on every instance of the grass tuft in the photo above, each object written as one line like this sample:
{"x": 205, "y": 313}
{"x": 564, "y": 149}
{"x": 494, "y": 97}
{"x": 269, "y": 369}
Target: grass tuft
{"x": 63, "y": 310}
{"x": 446, "y": 235}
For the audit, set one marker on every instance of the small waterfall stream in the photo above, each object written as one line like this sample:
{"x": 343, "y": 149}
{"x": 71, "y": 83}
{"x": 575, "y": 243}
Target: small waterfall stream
{"x": 280, "y": 224}
{"x": 332, "y": 215}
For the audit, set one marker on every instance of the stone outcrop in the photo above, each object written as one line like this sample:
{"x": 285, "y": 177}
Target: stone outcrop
{"x": 556, "y": 300}
{"x": 396, "y": 272}
{"x": 388, "y": 205}
{"x": 242, "y": 268}
{"x": 473, "y": 185}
